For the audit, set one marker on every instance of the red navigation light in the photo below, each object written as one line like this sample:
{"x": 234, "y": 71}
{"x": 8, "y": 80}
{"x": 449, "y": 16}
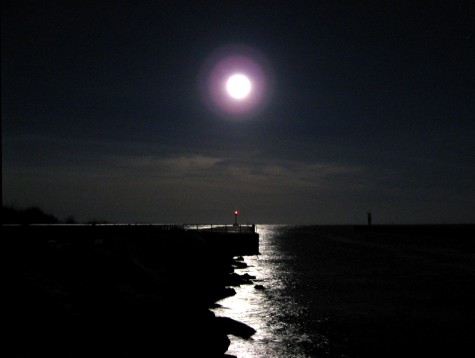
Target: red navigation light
{"x": 236, "y": 212}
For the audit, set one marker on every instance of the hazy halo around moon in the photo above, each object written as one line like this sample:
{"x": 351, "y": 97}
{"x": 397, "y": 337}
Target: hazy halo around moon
{"x": 236, "y": 82}
{"x": 238, "y": 86}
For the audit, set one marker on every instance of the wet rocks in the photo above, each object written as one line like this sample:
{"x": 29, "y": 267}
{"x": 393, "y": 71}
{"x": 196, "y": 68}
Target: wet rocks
{"x": 236, "y": 328}
{"x": 123, "y": 298}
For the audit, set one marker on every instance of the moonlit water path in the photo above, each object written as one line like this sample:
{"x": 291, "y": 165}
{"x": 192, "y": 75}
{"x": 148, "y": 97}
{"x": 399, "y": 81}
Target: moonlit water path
{"x": 274, "y": 312}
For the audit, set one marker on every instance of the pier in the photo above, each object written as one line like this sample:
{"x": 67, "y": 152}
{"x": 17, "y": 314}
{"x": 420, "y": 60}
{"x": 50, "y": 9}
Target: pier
{"x": 229, "y": 240}
{"x": 102, "y": 290}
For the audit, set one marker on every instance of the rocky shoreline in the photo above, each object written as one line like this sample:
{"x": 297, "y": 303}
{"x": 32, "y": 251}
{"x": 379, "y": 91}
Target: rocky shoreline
{"x": 118, "y": 296}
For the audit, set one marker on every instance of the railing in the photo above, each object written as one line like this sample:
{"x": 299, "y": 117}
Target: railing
{"x": 226, "y": 228}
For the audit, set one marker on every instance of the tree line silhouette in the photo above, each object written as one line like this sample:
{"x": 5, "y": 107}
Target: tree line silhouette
{"x": 35, "y": 215}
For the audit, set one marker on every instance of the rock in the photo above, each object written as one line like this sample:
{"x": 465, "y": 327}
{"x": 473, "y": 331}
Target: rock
{"x": 233, "y": 279}
{"x": 238, "y": 264}
{"x": 236, "y": 328}
{"x": 248, "y": 277}
{"x": 119, "y": 297}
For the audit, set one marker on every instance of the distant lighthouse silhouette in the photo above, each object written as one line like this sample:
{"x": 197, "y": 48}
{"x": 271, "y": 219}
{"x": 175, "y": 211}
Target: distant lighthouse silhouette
{"x": 369, "y": 218}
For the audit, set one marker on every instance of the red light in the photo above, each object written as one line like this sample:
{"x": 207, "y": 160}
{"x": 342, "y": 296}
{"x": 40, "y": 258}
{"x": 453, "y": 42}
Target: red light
{"x": 236, "y": 212}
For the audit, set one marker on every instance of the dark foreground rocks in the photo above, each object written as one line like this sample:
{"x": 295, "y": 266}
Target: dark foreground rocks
{"x": 116, "y": 297}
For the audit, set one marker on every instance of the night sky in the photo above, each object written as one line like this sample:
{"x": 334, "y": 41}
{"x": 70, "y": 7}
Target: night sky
{"x": 107, "y": 112}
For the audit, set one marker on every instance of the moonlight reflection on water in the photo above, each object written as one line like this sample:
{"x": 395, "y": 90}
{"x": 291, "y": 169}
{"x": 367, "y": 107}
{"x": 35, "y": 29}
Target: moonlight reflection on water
{"x": 273, "y": 312}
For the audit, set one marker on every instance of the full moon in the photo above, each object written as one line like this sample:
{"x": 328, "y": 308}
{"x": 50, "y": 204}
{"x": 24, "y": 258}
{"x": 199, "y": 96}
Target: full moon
{"x": 236, "y": 82}
{"x": 238, "y": 86}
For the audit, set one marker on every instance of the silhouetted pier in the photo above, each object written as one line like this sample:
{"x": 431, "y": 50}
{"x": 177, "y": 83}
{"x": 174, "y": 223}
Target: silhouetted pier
{"x": 108, "y": 289}
{"x": 231, "y": 240}
{"x": 224, "y": 229}
{"x": 234, "y": 240}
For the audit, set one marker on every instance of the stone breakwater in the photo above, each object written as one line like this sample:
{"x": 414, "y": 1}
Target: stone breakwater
{"x": 116, "y": 295}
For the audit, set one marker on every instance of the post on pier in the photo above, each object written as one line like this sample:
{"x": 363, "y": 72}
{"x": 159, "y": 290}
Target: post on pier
{"x": 236, "y": 213}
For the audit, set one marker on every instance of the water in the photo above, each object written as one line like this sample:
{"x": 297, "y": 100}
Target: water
{"x": 278, "y": 313}
{"x": 333, "y": 292}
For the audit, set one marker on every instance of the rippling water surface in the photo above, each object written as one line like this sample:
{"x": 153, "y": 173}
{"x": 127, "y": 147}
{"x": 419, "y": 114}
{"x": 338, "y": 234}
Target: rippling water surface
{"x": 277, "y": 315}
{"x": 342, "y": 292}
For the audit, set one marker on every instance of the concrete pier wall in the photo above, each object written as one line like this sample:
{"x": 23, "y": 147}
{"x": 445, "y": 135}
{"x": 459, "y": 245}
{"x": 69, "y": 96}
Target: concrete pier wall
{"x": 230, "y": 242}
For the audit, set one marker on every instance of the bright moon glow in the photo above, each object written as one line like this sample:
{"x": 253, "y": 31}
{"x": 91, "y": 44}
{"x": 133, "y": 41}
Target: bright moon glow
{"x": 236, "y": 82}
{"x": 238, "y": 86}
